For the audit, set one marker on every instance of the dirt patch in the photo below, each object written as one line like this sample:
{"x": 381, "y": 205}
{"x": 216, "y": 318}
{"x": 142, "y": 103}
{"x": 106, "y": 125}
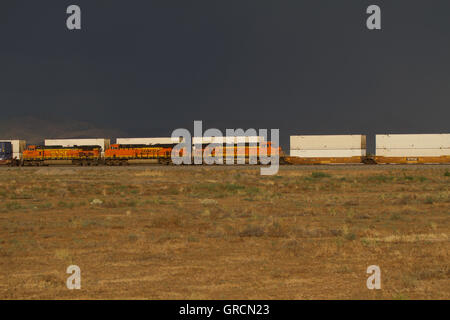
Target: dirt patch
{"x": 149, "y": 173}
{"x": 55, "y": 171}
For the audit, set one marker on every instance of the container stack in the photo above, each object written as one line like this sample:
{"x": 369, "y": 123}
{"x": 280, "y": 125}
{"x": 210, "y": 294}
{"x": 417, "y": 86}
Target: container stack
{"x": 148, "y": 141}
{"x": 316, "y": 149}
{"x": 413, "y": 148}
{"x": 103, "y": 143}
{"x": 17, "y": 147}
{"x": 229, "y": 139}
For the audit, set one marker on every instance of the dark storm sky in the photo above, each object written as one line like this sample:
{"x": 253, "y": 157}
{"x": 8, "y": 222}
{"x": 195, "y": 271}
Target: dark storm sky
{"x": 148, "y": 67}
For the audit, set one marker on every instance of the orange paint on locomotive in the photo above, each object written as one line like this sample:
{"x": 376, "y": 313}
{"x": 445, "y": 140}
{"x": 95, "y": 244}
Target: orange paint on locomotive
{"x": 62, "y": 153}
{"x": 264, "y": 149}
{"x": 117, "y": 151}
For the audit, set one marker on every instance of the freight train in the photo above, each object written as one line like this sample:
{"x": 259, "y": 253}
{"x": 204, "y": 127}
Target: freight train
{"x": 310, "y": 149}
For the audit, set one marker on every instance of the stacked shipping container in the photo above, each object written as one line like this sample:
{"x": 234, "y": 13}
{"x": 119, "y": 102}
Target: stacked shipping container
{"x": 17, "y": 147}
{"x": 412, "y": 148}
{"x": 328, "y": 148}
{"x": 229, "y": 140}
{"x": 103, "y": 143}
{"x": 148, "y": 141}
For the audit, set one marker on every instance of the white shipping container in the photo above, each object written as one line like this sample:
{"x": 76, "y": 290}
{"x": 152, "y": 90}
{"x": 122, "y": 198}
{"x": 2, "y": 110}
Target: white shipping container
{"x": 164, "y": 140}
{"x": 328, "y": 142}
{"x": 413, "y": 152}
{"x": 103, "y": 143}
{"x": 17, "y": 147}
{"x": 413, "y": 141}
{"x": 340, "y": 153}
{"x": 233, "y": 140}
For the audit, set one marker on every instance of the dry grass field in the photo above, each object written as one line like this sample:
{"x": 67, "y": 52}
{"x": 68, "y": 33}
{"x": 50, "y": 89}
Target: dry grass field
{"x": 225, "y": 232}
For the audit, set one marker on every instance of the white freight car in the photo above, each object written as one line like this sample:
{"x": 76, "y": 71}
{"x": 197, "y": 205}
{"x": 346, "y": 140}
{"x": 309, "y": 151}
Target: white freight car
{"x": 235, "y": 140}
{"x": 413, "y": 148}
{"x": 103, "y": 143}
{"x": 338, "y": 153}
{"x": 328, "y": 142}
{"x": 163, "y": 140}
{"x": 316, "y": 149}
{"x": 413, "y": 141}
{"x": 230, "y": 140}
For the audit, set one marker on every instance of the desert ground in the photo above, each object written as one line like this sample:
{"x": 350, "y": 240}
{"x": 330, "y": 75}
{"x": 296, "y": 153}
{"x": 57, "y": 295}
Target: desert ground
{"x": 216, "y": 232}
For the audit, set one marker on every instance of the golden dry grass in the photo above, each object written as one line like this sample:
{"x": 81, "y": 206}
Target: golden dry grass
{"x": 225, "y": 233}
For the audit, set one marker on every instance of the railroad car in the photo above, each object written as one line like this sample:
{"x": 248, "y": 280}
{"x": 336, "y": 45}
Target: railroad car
{"x": 327, "y": 149}
{"x": 6, "y": 154}
{"x": 77, "y": 155}
{"x": 123, "y": 154}
{"x": 412, "y": 148}
{"x": 149, "y": 141}
{"x": 17, "y": 148}
{"x": 240, "y": 153}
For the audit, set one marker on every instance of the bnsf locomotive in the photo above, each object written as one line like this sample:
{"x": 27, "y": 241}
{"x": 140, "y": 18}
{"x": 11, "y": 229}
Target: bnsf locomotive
{"x": 78, "y": 155}
{"x": 92, "y": 155}
{"x": 122, "y": 154}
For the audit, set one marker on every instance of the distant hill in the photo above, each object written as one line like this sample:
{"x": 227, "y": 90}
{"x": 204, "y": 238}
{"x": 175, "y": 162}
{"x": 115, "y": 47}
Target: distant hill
{"x": 35, "y": 130}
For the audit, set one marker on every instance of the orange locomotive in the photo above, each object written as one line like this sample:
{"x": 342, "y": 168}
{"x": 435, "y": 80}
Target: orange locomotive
{"x": 78, "y": 155}
{"x": 122, "y": 154}
{"x": 241, "y": 153}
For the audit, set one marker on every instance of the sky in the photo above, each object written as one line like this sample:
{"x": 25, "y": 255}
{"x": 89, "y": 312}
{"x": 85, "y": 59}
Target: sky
{"x": 304, "y": 67}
